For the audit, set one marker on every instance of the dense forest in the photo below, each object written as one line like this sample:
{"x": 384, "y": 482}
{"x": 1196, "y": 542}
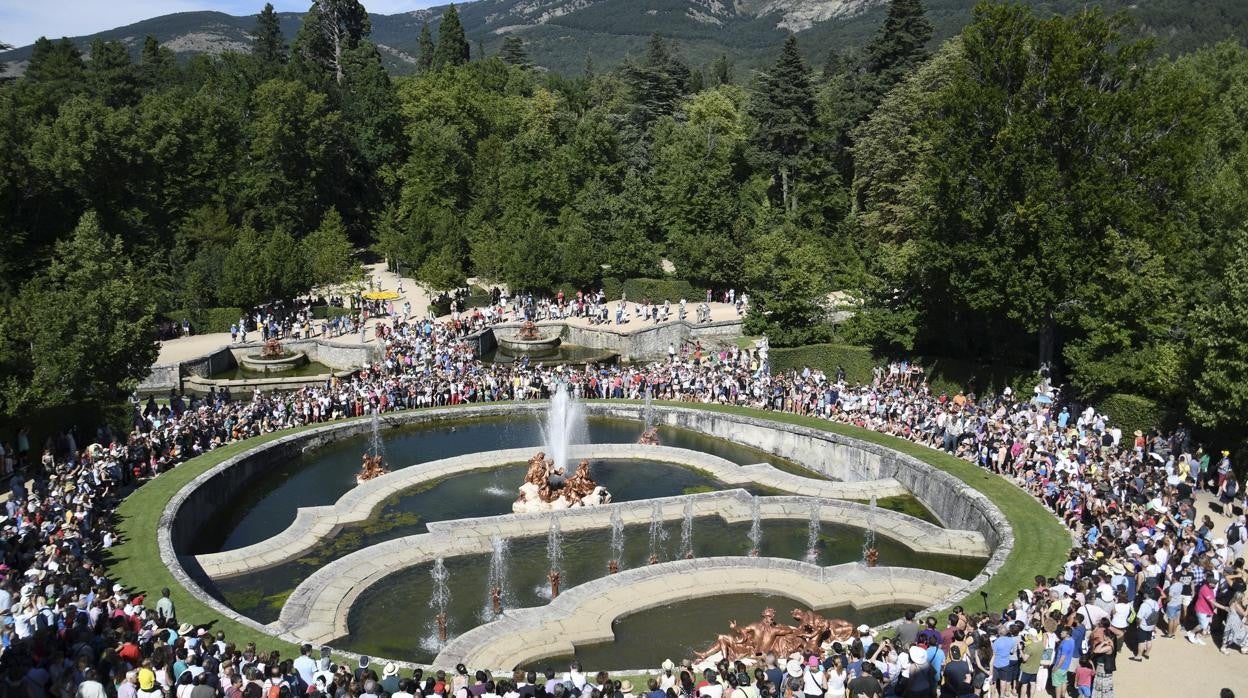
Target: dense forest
{"x": 1034, "y": 189}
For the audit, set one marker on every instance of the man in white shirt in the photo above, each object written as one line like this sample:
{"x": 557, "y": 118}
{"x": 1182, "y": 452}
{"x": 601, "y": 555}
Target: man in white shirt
{"x": 305, "y": 665}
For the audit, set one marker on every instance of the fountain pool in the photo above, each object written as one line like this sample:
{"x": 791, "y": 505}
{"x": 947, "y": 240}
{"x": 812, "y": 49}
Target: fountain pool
{"x": 379, "y": 624}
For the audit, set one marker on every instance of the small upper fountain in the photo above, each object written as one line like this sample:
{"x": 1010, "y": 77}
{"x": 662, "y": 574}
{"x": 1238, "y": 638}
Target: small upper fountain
{"x": 527, "y": 338}
{"x": 273, "y": 358}
{"x": 650, "y": 430}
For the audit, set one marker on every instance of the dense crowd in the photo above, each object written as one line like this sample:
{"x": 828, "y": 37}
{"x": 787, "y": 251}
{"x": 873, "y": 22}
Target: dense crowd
{"x": 1145, "y": 566}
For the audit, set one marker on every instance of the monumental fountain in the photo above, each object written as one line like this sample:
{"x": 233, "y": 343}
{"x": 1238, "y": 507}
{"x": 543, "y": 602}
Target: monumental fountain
{"x": 507, "y": 578}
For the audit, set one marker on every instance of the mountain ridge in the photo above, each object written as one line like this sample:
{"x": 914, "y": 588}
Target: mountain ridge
{"x": 560, "y": 34}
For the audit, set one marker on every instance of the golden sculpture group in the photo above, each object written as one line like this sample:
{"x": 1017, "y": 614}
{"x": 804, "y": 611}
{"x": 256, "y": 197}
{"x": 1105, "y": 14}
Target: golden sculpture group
{"x": 372, "y": 467}
{"x": 766, "y": 635}
{"x": 545, "y": 487}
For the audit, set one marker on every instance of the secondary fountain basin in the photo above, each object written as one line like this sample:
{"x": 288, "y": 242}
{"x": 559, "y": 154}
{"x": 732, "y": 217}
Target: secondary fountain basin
{"x": 379, "y": 625}
{"x": 471, "y": 495}
{"x": 679, "y": 629}
{"x": 321, "y": 476}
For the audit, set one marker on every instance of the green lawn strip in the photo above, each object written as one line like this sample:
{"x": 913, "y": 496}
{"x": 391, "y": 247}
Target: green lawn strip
{"x": 136, "y": 562}
{"x": 1041, "y": 541}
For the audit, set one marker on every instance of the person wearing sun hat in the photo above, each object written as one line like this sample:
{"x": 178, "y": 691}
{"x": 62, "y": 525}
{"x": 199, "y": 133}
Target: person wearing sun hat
{"x": 390, "y": 678}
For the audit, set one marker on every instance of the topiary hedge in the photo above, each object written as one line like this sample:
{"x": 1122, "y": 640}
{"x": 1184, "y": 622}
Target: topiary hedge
{"x": 207, "y": 320}
{"x": 1131, "y": 412}
{"x": 657, "y": 290}
{"x": 857, "y": 361}
{"x": 328, "y": 312}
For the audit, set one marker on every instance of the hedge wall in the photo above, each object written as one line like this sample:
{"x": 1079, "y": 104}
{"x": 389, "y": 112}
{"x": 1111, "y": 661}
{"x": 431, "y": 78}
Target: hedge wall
{"x": 1131, "y": 412}
{"x": 857, "y": 361}
{"x": 944, "y": 375}
{"x": 326, "y": 312}
{"x": 208, "y": 320}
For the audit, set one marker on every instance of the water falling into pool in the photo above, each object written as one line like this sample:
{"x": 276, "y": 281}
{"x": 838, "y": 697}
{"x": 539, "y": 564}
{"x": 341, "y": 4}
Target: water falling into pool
{"x": 686, "y": 531}
{"x": 812, "y": 535}
{"x": 756, "y": 527}
{"x": 658, "y": 534}
{"x": 496, "y": 580}
{"x": 565, "y": 425}
{"x": 617, "y": 541}
{"x": 438, "y": 601}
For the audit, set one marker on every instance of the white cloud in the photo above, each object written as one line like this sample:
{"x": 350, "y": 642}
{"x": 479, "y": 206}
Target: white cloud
{"x": 23, "y": 21}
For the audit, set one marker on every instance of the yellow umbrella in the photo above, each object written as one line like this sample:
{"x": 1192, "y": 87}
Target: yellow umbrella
{"x": 381, "y": 295}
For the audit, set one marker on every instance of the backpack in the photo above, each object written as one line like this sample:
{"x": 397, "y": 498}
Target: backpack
{"x": 1234, "y": 534}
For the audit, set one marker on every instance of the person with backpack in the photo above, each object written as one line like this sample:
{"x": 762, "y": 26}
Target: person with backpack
{"x": 1147, "y": 616}
{"x": 1237, "y": 535}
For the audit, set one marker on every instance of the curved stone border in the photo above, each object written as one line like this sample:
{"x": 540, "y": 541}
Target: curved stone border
{"x": 314, "y": 524}
{"x": 836, "y": 455}
{"x": 317, "y": 611}
{"x": 584, "y": 614}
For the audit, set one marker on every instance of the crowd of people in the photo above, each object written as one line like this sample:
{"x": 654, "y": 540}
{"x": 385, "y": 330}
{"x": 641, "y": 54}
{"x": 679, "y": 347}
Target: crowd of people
{"x": 1145, "y": 566}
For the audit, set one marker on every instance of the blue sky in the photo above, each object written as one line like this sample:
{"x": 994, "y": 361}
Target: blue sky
{"x": 23, "y": 21}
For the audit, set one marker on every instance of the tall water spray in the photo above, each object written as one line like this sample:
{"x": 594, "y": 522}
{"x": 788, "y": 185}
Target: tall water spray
{"x": 686, "y": 531}
{"x": 496, "y": 579}
{"x": 617, "y": 541}
{"x": 647, "y": 412}
{"x": 375, "y": 447}
{"x": 658, "y": 534}
{"x": 869, "y": 552}
{"x": 812, "y": 533}
{"x": 756, "y": 528}
{"x": 554, "y": 555}
{"x": 565, "y": 425}
{"x": 441, "y": 598}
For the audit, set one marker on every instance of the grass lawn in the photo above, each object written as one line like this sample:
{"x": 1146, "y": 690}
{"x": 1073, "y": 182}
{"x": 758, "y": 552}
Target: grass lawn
{"x": 1041, "y": 541}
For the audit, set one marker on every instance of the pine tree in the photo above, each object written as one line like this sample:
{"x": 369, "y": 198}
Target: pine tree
{"x": 784, "y": 107}
{"x": 899, "y": 47}
{"x": 270, "y": 45}
{"x": 513, "y": 52}
{"x": 424, "y": 61}
{"x": 721, "y": 71}
{"x": 452, "y": 48}
{"x": 158, "y": 67}
{"x": 330, "y": 29}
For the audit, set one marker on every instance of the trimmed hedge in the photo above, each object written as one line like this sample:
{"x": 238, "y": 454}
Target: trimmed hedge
{"x": 1131, "y": 412}
{"x": 857, "y": 361}
{"x": 327, "y": 312}
{"x": 207, "y": 320}
{"x": 943, "y": 375}
{"x": 658, "y": 290}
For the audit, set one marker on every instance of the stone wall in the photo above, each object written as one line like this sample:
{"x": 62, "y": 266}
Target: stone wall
{"x": 636, "y": 341}
{"x": 336, "y": 355}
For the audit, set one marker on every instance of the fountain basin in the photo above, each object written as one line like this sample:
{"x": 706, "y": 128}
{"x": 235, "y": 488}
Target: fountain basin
{"x": 510, "y": 340}
{"x": 286, "y": 361}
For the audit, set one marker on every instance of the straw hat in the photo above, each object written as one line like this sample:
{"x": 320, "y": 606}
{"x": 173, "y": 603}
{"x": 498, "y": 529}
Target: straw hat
{"x": 626, "y": 686}
{"x": 389, "y": 670}
{"x": 185, "y": 629}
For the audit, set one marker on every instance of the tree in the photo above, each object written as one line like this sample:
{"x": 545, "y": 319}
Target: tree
{"x": 513, "y": 52}
{"x": 898, "y": 48}
{"x": 784, "y": 107}
{"x": 243, "y": 282}
{"x": 785, "y": 272}
{"x": 269, "y": 45}
{"x": 329, "y": 254}
{"x": 158, "y": 67}
{"x": 293, "y": 141}
{"x": 721, "y": 71}
{"x": 698, "y": 168}
{"x": 656, "y": 83}
{"x": 111, "y": 75}
{"x": 54, "y": 74}
{"x": 424, "y": 61}
{"x": 452, "y": 48}
{"x": 330, "y": 29}
{"x": 82, "y": 330}
{"x": 1219, "y": 373}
